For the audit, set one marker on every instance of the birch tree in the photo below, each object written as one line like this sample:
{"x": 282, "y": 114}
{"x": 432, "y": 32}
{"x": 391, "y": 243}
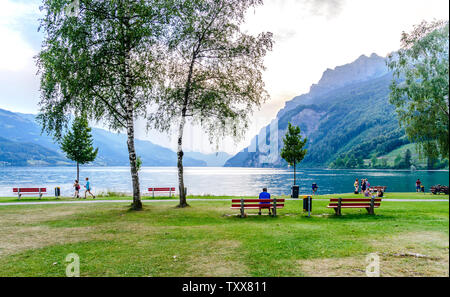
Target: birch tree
{"x": 214, "y": 72}
{"x": 100, "y": 58}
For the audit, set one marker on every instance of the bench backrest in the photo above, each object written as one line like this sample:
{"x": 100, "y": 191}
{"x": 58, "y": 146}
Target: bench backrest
{"x": 161, "y": 189}
{"x": 383, "y": 188}
{"x": 29, "y": 190}
{"x": 355, "y": 202}
{"x": 257, "y": 203}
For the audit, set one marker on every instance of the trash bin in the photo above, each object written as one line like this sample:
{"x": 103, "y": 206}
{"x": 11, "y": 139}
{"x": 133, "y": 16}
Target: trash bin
{"x": 57, "y": 192}
{"x": 295, "y": 191}
{"x": 307, "y": 203}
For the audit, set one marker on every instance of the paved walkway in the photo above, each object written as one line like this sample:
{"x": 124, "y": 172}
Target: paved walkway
{"x": 174, "y": 200}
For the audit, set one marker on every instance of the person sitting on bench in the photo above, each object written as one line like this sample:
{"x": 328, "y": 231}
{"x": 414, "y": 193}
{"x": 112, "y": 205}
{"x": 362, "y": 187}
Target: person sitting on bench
{"x": 264, "y": 195}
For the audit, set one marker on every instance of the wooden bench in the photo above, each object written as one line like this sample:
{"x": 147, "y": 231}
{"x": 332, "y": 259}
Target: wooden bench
{"x": 30, "y": 191}
{"x": 439, "y": 189}
{"x": 272, "y": 204}
{"x": 169, "y": 190}
{"x": 378, "y": 188}
{"x": 369, "y": 204}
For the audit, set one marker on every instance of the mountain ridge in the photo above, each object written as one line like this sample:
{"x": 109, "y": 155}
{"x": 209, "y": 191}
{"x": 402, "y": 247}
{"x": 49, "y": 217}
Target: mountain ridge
{"x": 112, "y": 146}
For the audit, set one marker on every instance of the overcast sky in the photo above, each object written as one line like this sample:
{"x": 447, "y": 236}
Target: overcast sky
{"x": 310, "y": 36}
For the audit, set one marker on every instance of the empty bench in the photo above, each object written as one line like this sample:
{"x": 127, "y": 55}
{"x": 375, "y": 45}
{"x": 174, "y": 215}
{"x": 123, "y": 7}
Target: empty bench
{"x": 243, "y": 204}
{"x": 369, "y": 204}
{"x": 168, "y": 190}
{"x": 30, "y": 191}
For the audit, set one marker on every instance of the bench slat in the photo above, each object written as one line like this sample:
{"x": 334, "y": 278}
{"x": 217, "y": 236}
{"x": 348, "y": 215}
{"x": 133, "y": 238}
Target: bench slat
{"x": 29, "y": 190}
{"x": 161, "y": 189}
{"x": 354, "y": 200}
{"x": 257, "y": 205}
{"x": 356, "y": 206}
{"x": 256, "y": 200}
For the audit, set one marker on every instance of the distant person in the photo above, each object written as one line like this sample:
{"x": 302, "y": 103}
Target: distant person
{"x": 367, "y": 193}
{"x": 77, "y": 187}
{"x": 356, "y": 185}
{"x": 363, "y": 185}
{"x": 418, "y": 184}
{"x": 422, "y": 188}
{"x": 88, "y": 188}
{"x": 264, "y": 195}
{"x": 380, "y": 193}
{"x": 314, "y": 188}
{"x": 367, "y": 183}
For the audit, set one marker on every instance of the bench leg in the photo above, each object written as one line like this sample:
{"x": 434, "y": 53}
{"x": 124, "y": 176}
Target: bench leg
{"x": 370, "y": 210}
{"x": 337, "y": 211}
{"x": 242, "y": 213}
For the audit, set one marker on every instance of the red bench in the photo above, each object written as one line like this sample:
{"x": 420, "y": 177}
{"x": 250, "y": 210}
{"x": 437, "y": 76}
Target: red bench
{"x": 369, "y": 204}
{"x": 243, "y": 204}
{"x": 378, "y": 188}
{"x": 30, "y": 191}
{"x": 169, "y": 190}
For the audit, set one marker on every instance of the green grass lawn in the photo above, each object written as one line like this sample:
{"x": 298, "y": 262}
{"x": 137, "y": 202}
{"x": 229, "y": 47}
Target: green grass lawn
{"x": 208, "y": 239}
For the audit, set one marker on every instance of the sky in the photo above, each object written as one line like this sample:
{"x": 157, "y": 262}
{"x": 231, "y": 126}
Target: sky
{"x": 310, "y": 36}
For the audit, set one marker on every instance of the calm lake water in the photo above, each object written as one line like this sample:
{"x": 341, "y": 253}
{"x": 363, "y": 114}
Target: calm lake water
{"x": 215, "y": 181}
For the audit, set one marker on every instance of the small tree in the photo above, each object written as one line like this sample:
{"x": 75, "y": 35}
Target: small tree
{"x": 292, "y": 150}
{"x": 77, "y": 144}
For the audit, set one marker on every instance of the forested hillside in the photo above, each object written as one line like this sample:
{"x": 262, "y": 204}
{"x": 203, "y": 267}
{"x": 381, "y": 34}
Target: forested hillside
{"x": 346, "y": 124}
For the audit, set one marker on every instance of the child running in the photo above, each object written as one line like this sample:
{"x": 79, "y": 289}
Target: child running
{"x": 88, "y": 188}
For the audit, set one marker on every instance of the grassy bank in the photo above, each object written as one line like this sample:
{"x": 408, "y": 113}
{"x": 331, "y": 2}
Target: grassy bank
{"x": 208, "y": 239}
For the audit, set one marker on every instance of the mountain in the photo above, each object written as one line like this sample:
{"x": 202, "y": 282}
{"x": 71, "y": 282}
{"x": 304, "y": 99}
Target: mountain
{"x": 23, "y": 154}
{"x": 212, "y": 160}
{"x": 345, "y": 115}
{"x": 21, "y": 143}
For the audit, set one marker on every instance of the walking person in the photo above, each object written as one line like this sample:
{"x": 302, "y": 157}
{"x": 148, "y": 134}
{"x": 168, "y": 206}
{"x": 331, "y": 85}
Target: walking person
{"x": 315, "y": 187}
{"x": 356, "y": 184}
{"x": 77, "y": 187}
{"x": 88, "y": 188}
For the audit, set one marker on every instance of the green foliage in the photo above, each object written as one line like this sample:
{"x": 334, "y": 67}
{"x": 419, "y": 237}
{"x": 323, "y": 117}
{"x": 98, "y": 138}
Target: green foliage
{"x": 77, "y": 143}
{"x": 421, "y": 86}
{"x": 138, "y": 163}
{"x": 293, "y": 149}
{"x": 214, "y": 70}
{"x": 102, "y": 62}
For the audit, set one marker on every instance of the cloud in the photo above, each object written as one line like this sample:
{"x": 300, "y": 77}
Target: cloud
{"x": 326, "y": 8}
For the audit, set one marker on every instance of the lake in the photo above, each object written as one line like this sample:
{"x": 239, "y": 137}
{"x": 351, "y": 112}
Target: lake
{"x": 215, "y": 181}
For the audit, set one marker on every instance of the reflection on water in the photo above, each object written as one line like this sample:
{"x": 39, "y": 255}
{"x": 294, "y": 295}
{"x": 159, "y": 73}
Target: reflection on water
{"x": 215, "y": 181}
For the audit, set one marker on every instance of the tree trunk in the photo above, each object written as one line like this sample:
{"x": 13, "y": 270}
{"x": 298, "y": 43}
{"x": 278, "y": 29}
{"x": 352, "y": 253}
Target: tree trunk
{"x": 295, "y": 176}
{"x": 183, "y": 202}
{"x": 78, "y": 172}
{"x": 137, "y": 203}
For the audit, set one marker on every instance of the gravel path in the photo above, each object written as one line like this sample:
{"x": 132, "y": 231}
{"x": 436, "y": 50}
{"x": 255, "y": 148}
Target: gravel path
{"x": 172, "y": 200}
